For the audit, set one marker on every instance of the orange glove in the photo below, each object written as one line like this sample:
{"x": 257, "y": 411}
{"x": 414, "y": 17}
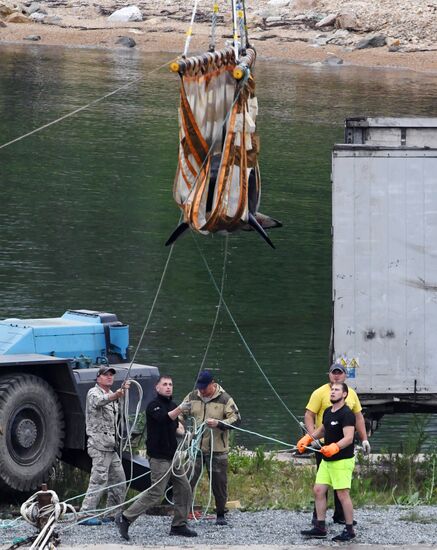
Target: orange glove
{"x": 304, "y": 442}
{"x": 330, "y": 450}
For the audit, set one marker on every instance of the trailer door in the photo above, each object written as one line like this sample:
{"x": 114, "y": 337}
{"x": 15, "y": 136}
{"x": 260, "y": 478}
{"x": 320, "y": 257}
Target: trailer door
{"x": 385, "y": 267}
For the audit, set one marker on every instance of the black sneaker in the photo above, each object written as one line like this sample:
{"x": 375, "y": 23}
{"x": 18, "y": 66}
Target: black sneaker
{"x": 123, "y": 526}
{"x": 221, "y": 520}
{"x": 182, "y": 531}
{"x": 341, "y": 521}
{"x": 314, "y": 533}
{"x": 344, "y": 536}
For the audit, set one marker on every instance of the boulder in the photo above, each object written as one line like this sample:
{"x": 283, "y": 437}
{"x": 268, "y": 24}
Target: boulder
{"x": 2, "y": 24}
{"x": 126, "y": 41}
{"x": 303, "y": 5}
{"x": 35, "y": 7}
{"x": 52, "y": 20}
{"x": 328, "y": 21}
{"x": 125, "y": 15}
{"x": 5, "y": 10}
{"x": 273, "y": 19}
{"x": 320, "y": 40}
{"x": 375, "y": 41}
{"x": 347, "y": 20}
{"x": 333, "y": 60}
{"x": 17, "y": 18}
{"x": 279, "y": 3}
{"x": 37, "y": 17}
{"x": 32, "y": 37}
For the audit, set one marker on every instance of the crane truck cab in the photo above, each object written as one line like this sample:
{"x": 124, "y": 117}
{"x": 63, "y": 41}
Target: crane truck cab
{"x": 47, "y": 367}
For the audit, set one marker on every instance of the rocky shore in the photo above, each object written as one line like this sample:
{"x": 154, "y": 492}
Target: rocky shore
{"x": 388, "y": 33}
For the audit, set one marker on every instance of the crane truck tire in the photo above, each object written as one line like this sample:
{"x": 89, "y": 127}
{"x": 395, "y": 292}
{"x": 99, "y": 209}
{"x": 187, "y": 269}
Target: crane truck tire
{"x": 32, "y": 426}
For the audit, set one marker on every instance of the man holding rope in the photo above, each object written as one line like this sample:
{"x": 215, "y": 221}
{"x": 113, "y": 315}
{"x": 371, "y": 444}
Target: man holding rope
{"x": 211, "y": 404}
{"x": 101, "y": 418}
{"x": 162, "y": 427}
{"x": 318, "y": 403}
{"x": 337, "y": 465}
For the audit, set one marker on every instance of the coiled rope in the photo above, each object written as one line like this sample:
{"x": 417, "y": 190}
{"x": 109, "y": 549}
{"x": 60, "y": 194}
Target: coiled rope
{"x": 52, "y": 514}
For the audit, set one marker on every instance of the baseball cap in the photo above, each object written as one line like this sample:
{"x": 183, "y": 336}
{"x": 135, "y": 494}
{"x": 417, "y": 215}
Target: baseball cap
{"x": 204, "y": 379}
{"x": 106, "y": 369}
{"x": 337, "y": 366}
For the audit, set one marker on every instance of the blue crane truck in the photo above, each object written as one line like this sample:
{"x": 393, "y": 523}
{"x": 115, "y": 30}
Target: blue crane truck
{"x": 47, "y": 367}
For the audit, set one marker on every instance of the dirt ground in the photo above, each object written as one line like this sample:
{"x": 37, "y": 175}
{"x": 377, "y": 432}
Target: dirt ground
{"x": 86, "y": 25}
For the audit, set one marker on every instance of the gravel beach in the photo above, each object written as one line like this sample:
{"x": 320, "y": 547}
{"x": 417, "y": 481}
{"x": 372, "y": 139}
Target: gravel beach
{"x": 392, "y": 525}
{"x": 399, "y": 33}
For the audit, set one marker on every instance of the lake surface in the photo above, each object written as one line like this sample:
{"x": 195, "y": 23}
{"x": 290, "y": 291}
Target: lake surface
{"x": 86, "y": 206}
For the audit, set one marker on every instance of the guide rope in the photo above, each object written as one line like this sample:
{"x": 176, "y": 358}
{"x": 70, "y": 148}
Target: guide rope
{"x": 87, "y": 106}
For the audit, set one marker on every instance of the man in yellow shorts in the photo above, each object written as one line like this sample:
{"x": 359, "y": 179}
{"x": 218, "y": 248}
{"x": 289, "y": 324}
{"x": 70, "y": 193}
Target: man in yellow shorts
{"x": 317, "y": 404}
{"x": 337, "y": 465}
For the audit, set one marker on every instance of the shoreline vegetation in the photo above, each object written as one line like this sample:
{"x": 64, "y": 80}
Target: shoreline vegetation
{"x": 277, "y": 480}
{"x": 395, "y": 34}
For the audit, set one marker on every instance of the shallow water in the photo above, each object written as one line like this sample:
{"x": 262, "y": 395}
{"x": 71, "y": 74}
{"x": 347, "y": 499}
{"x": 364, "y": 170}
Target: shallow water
{"x": 86, "y": 206}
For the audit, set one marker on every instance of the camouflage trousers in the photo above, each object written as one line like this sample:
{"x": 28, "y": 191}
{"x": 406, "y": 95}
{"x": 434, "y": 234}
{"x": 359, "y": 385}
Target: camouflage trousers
{"x": 106, "y": 470}
{"x": 160, "y": 474}
{"x": 218, "y": 474}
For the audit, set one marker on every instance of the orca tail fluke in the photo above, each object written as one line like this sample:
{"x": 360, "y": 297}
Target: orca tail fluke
{"x": 252, "y": 221}
{"x": 180, "y": 229}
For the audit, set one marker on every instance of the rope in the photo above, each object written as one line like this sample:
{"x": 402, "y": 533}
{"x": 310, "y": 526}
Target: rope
{"x": 155, "y": 299}
{"x": 237, "y": 328}
{"x": 190, "y": 30}
{"x": 215, "y": 10}
{"x": 55, "y": 511}
{"x": 94, "y": 102}
{"x": 235, "y": 30}
{"x": 240, "y": 21}
{"x": 218, "y": 308}
{"x": 246, "y": 30}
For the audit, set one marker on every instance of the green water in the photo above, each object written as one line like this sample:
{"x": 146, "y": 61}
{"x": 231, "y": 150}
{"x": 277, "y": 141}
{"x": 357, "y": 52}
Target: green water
{"x": 86, "y": 207}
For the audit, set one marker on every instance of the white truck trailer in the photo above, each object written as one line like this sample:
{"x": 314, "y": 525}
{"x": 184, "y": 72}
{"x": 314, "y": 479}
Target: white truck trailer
{"x": 384, "y": 223}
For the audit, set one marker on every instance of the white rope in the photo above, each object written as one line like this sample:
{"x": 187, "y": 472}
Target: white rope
{"x": 55, "y": 511}
{"x": 246, "y": 345}
{"x": 94, "y": 102}
{"x": 218, "y": 307}
{"x": 190, "y": 30}
{"x": 236, "y": 44}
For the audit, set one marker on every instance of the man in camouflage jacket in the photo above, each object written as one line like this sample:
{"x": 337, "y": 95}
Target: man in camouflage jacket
{"x": 211, "y": 404}
{"x": 101, "y": 417}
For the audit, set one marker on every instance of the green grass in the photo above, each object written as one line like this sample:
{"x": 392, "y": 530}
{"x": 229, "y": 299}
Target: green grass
{"x": 259, "y": 481}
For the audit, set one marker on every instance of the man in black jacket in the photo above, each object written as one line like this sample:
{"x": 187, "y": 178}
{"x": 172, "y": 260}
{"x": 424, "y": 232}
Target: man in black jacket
{"x": 162, "y": 426}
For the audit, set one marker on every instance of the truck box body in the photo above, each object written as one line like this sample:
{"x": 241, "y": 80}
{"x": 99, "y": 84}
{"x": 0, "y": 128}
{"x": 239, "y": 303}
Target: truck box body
{"x": 385, "y": 261}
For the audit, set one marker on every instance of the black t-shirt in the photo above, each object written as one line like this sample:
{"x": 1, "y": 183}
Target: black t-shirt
{"x": 334, "y": 422}
{"x": 161, "y": 429}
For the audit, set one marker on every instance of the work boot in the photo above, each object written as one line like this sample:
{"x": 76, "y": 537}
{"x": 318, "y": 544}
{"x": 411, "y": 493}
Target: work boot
{"x": 314, "y": 533}
{"x": 344, "y": 536}
{"x": 123, "y": 526}
{"x": 182, "y": 531}
{"x": 221, "y": 520}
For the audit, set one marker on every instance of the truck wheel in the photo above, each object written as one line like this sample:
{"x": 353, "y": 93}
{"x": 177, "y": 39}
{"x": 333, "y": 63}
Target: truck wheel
{"x": 32, "y": 423}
